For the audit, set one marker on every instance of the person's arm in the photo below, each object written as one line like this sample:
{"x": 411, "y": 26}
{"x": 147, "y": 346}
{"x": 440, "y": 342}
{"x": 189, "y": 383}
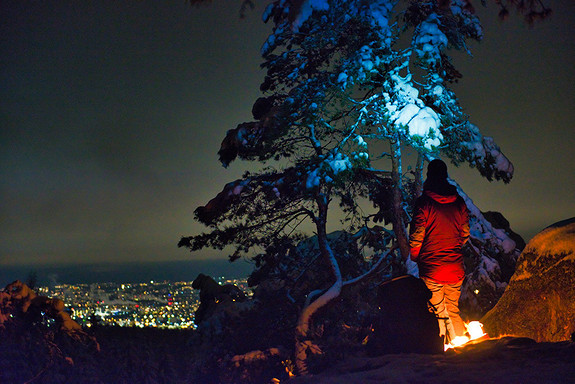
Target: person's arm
{"x": 464, "y": 224}
{"x": 417, "y": 231}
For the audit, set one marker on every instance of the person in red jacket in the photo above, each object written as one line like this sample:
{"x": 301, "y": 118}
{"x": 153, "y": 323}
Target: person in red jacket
{"x": 438, "y": 230}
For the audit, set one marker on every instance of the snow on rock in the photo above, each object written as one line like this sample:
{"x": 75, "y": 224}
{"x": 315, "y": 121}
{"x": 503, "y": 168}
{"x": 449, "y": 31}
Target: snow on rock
{"x": 490, "y": 258}
{"x": 17, "y": 299}
{"x": 539, "y": 301}
{"x": 257, "y": 356}
{"x": 556, "y": 239}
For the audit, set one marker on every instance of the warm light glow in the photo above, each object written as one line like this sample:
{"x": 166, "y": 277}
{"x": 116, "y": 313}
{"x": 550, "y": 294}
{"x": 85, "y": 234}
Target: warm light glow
{"x": 475, "y": 330}
{"x": 458, "y": 341}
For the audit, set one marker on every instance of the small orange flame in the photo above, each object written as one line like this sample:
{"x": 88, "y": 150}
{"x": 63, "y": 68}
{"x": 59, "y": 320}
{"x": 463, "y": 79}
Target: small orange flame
{"x": 457, "y": 341}
{"x": 475, "y": 331}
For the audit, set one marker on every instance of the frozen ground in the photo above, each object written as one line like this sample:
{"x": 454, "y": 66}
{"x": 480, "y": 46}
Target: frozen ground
{"x": 507, "y": 360}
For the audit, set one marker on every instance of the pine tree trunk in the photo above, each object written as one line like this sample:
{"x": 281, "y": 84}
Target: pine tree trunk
{"x": 303, "y": 342}
{"x": 419, "y": 176}
{"x": 398, "y": 224}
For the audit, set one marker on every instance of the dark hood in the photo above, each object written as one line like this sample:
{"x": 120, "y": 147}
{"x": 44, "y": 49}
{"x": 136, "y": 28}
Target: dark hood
{"x": 441, "y": 188}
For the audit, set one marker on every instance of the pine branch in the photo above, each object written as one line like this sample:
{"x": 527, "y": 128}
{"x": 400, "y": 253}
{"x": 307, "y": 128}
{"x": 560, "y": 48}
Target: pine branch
{"x": 372, "y": 270}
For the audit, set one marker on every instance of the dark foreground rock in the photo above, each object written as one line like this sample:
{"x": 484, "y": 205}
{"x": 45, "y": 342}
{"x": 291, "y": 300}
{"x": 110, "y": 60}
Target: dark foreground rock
{"x": 539, "y": 301}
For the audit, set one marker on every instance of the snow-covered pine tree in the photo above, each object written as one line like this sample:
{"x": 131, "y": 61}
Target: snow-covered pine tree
{"x": 532, "y": 10}
{"x": 351, "y": 85}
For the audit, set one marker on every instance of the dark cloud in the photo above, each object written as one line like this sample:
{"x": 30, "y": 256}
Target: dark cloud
{"x": 112, "y": 114}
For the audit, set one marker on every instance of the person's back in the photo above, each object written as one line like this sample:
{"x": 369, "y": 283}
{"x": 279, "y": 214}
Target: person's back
{"x": 439, "y": 228}
{"x": 439, "y": 231}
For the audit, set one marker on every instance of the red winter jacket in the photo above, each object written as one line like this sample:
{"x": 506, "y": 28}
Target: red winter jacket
{"x": 438, "y": 230}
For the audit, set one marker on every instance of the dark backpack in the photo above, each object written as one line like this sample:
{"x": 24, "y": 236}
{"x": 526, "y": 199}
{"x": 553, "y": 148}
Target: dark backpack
{"x": 404, "y": 323}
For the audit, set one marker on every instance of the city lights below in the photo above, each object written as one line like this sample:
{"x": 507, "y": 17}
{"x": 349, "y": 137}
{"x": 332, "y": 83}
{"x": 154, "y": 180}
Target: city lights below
{"x": 154, "y": 304}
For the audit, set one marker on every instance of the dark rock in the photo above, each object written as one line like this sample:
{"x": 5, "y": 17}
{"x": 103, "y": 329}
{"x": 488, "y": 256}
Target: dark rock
{"x": 490, "y": 257}
{"x": 539, "y": 301}
{"x": 214, "y": 295}
{"x": 498, "y": 221}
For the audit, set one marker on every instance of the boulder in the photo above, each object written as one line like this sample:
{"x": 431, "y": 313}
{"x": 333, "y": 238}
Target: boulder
{"x": 539, "y": 301}
{"x": 213, "y": 296}
{"x": 499, "y": 221}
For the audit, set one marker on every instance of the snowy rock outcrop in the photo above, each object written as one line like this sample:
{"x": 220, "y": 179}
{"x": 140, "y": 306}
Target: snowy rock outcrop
{"x": 539, "y": 302}
{"x": 17, "y": 298}
{"x": 490, "y": 256}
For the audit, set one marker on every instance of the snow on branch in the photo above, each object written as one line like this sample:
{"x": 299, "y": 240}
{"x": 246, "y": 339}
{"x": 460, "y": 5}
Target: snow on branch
{"x": 407, "y": 110}
{"x": 372, "y": 270}
{"x": 305, "y": 10}
{"x": 486, "y": 155}
{"x": 332, "y": 165}
{"x": 429, "y": 40}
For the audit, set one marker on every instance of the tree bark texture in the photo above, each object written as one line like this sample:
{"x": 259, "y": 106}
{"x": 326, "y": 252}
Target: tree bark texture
{"x": 398, "y": 224}
{"x": 302, "y": 339}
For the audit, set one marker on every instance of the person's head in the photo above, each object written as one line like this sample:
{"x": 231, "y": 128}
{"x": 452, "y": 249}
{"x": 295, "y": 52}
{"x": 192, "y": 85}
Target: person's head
{"x": 437, "y": 171}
